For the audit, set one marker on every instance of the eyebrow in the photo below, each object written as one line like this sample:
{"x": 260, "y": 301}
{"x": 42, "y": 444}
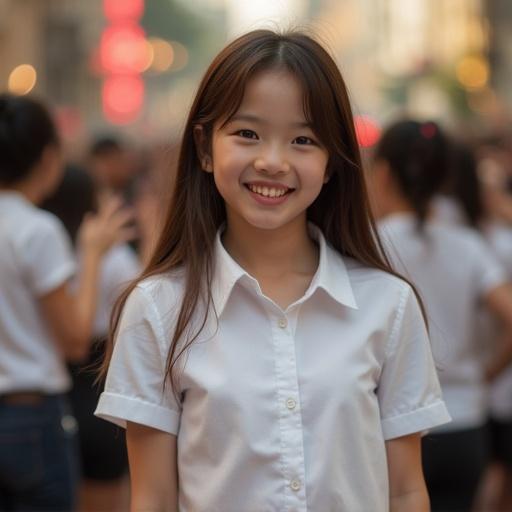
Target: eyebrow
{"x": 255, "y": 119}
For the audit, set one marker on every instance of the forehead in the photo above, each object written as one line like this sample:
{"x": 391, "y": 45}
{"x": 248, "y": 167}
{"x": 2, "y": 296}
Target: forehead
{"x": 273, "y": 94}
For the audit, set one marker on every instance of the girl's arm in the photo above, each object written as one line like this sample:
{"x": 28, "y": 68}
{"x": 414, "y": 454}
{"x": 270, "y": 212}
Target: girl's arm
{"x": 499, "y": 303}
{"x": 71, "y": 315}
{"x": 153, "y": 469}
{"x": 407, "y": 489}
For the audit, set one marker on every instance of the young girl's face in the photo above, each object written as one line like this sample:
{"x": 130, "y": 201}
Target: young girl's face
{"x": 268, "y": 165}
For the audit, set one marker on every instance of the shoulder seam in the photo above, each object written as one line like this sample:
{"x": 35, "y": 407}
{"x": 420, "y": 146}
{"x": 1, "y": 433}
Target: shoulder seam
{"x": 156, "y": 313}
{"x": 398, "y": 317}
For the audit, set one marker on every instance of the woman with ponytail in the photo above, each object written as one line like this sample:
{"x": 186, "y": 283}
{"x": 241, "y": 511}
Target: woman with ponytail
{"x": 455, "y": 274}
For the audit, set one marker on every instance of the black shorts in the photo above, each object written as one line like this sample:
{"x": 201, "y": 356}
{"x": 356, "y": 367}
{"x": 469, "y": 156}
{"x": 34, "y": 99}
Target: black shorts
{"x": 500, "y": 433}
{"x": 102, "y": 444}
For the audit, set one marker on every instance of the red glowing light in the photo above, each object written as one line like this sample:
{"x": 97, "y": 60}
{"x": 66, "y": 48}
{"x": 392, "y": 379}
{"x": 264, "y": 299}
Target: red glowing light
{"x": 123, "y": 97}
{"x": 123, "y": 49}
{"x": 123, "y": 10}
{"x": 367, "y": 131}
{"x": 428, "y": 130}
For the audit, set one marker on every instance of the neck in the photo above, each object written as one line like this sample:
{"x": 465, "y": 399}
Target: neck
{"x": 395, "y": 205}
{"x": 271, "y": 252}
{"x": 29, "y": 192}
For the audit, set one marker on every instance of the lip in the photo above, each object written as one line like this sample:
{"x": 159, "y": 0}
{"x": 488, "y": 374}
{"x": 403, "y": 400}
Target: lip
{"x": 268, "y": 201}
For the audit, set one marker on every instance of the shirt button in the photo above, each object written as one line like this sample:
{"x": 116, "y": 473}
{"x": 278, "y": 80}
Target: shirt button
{"x": 283, "y": 323}
{"x": 291, "y": 403}
{"x": 295, "y": 485}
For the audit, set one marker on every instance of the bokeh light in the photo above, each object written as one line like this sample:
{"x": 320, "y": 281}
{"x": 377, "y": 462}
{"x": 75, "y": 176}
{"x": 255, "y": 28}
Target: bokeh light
{"x": 122, "y": 97}
{"x": 123, "y": 10}
{"x": 124, "y": 49}
{"x": 163, "y": 54}
{"x": 473, "y": 72}
{"x": 22, "y": 79}
{"x": 367, "y": 131}
{"x": 181, "y": 56}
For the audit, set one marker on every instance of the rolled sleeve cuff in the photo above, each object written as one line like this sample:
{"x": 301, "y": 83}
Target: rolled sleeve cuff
{"x": 419, "y": 420}
{"x": 119, "y": 409}
{"x": 55, "y": 279}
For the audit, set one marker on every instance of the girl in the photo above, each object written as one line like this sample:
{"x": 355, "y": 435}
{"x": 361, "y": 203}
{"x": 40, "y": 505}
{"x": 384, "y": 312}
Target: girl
{"x": 455, "y": 274}
{"x": 104, "y": 463}
{"x": 269, "y": 356}
{"x": 41, "y": 322}
{"x": 477, "y": 204}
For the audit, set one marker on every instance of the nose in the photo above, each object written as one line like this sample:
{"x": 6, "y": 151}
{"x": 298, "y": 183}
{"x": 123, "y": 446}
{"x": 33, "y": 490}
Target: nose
{"x": 272, "y": 160}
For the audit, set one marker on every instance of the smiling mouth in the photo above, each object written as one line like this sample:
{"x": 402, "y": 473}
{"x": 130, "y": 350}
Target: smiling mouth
{"x": 266, "y": 191}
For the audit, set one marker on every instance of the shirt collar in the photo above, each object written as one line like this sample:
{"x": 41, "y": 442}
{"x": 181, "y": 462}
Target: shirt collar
{"x": 331, "y": 275}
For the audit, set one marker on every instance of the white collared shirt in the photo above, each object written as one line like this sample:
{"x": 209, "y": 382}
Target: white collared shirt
{"x": 280, "y": 410}
{"x": 35, "y": 259}
{"x": 453, "y": 270}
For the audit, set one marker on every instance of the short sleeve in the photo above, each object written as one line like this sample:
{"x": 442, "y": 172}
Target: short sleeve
{"x": 48, "y": 260}
{"x": 409, "y": 393}
{"x": 134, "y": 388}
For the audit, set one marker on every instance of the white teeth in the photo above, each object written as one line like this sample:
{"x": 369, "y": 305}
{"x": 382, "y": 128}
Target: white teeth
{"x": 267, "y": 192}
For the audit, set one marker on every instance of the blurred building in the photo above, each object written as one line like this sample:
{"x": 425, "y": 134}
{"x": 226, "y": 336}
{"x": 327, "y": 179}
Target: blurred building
{"x": 55, "y": 38}
{"x": 499, "y": 13}
{"x": 54, "y": 49}
{"x": 427, "y": 58}
{"x": 445, "y": 59}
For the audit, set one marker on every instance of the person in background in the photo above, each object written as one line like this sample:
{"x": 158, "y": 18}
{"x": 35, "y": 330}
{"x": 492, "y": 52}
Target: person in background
{"x": 455, "y": 273}
{"x": 111, "y": 167}
{"x": 43, "y": 321}
{"x": 102, "y": 446}
{"x": 479, "y": 195}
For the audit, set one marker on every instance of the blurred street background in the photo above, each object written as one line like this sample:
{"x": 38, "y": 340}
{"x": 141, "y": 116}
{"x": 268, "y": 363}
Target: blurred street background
{"x": 132, "y": 66}
{"x": 119, "y": 77}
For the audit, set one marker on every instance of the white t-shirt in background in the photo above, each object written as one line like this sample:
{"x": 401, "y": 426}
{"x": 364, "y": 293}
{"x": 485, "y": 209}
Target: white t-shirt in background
{"x": 35, "y": 259}
{"x": 119, "y": 266}
{"x": 280, "y": 410}
{"x": 499, "y": 237}
{"x": 453, "y": 270}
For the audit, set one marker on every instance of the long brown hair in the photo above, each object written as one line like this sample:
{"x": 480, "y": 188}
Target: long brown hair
{"x": 197, "y": 210}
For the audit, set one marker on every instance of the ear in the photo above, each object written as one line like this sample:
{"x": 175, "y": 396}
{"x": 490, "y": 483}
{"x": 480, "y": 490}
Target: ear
{"x": 203, "y": 148}
{"x": 328, "y": 174}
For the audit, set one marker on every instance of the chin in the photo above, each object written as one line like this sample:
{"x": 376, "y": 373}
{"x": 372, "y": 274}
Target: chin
{"x": 266, "y": 223}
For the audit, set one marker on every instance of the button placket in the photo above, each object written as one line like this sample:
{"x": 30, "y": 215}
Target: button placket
{"x": 291, "y": 403}
{"x": 295, "y": 485}
{"x": 290, "y": 419}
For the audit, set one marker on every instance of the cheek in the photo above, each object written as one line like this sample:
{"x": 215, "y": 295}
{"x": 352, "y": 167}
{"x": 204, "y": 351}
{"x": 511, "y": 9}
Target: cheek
{"x": 228, "y": 162}
{"x": 314, "y": 171}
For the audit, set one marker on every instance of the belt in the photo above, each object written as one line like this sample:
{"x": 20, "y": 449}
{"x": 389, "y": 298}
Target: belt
{"x": 23, "y": 398}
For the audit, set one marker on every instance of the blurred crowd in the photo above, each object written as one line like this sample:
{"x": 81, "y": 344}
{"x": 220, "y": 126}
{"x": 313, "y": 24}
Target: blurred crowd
{"x": 106, "y": 206}
{"x": 444, "y": 210}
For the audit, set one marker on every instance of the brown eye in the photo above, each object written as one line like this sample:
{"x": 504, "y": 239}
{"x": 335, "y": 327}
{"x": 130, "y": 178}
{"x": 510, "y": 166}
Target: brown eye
{"x": 303, "y": 141}
{"x": 247, "y": 134}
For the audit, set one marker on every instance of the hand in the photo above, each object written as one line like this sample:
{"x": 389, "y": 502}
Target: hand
{"x": 109, "y": 227}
